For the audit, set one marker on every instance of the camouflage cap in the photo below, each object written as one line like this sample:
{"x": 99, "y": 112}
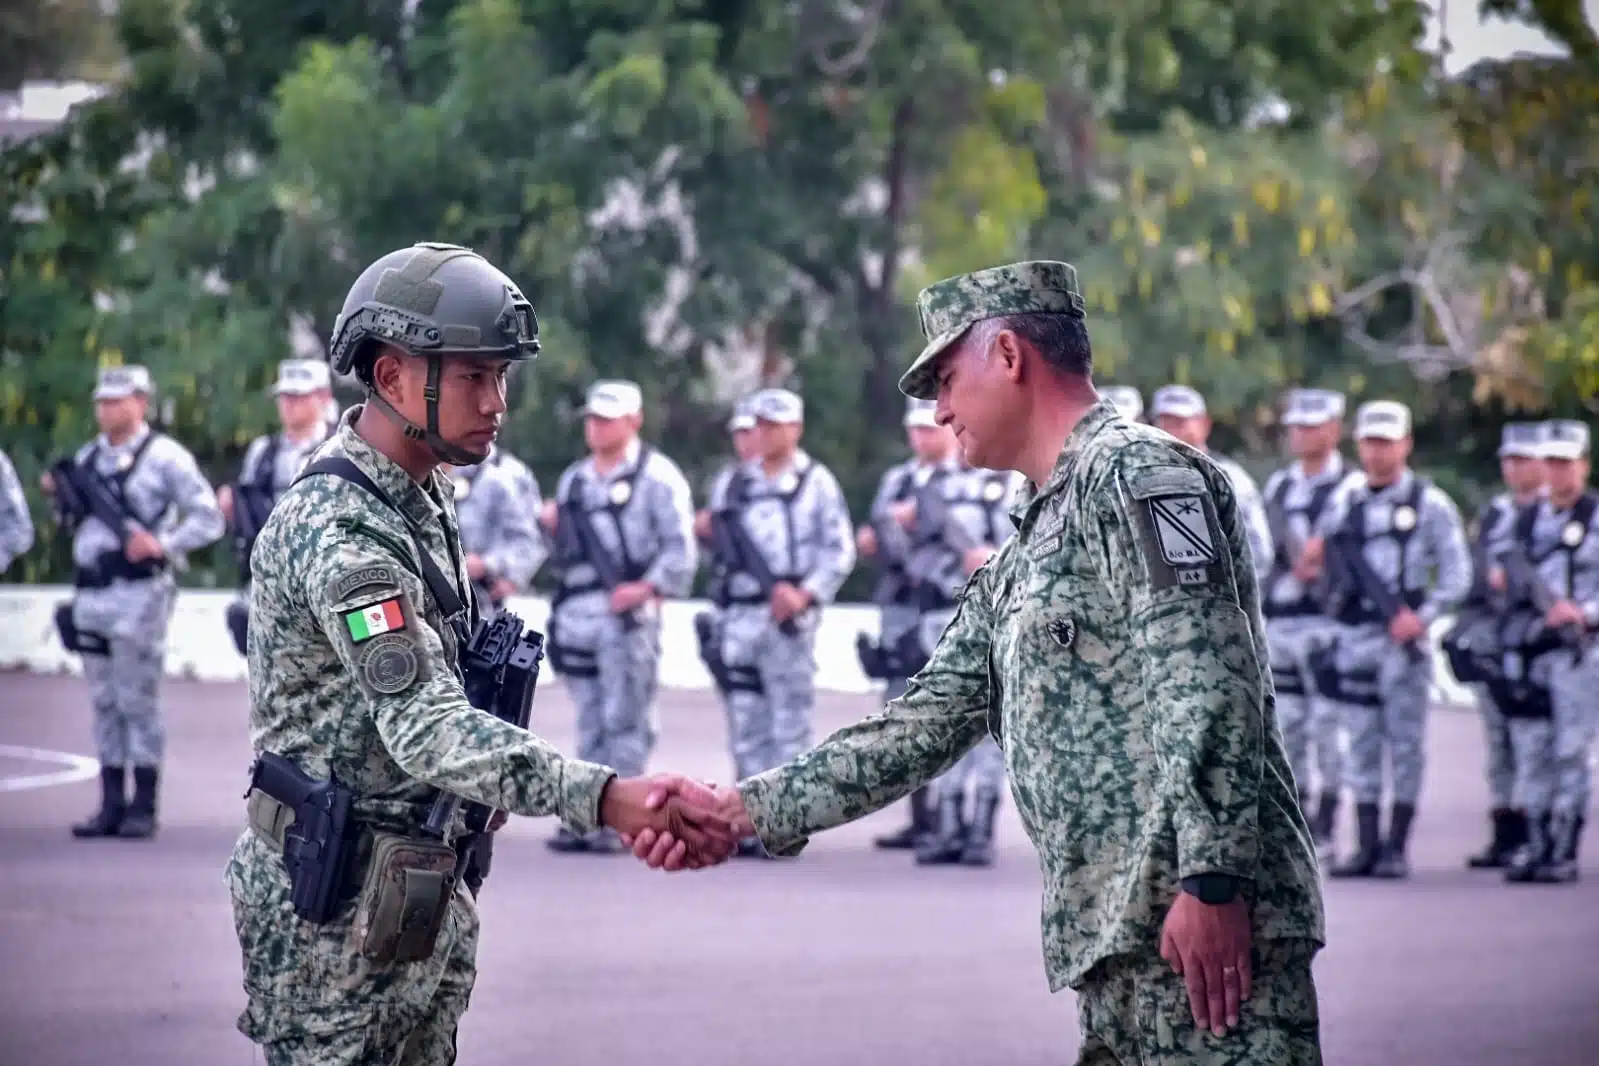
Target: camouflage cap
{"x": 948, "y": 309}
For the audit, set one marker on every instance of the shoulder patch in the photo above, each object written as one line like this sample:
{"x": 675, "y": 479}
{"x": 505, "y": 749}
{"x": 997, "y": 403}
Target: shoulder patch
{"x": 374, "y": 619}
{"x": 389, "y": 665}
{"x": 345, "y": 585}
{"x": 1179, "y": 532}
{"x": 1182, "y": 530}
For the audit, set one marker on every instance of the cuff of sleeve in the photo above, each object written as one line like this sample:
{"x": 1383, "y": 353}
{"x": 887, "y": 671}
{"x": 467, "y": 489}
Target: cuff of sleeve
{"x": 582, "y": 784}
{"x": 1217, "y": 851}
{"x": 777, "y": 823}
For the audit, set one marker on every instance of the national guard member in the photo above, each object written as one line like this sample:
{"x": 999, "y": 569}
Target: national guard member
{"x": 498, "y": 505}
{"x": 783, "y": 533}
{"x": 1114, "y": 647}
{"x": 16, "y": 524}
{"x": 359, "y": 941}
{"x": 271, "y": 462}
{"x": 1128, "y": 401}
{"x": 1392, "y": 531}
{"x": 708, "y": 622}
{"x": 972, "y": 524}
{"x": 1180, "y": 411}
{"x": 1550, "y": 558}
{"x": 1482, "y": 621}
{"x": 136, "y": 504}
{"x": 886, "y": 539}
{"x": 1298, "y": 502}
{"x": 622, "y": 529}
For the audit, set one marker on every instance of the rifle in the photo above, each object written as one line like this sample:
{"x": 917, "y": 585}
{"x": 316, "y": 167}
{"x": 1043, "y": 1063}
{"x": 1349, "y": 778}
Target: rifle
{"x": 936, "y": 526}
{"x": 80, "y": 493}
{"x": 731, "y": 542}
{"x": 1345, "y": 560}
{"x": 577, "y": 541}
{"x": 1523, "y": 577}
{"x": 252, "y": 505}
{"x": 501, "y": 670}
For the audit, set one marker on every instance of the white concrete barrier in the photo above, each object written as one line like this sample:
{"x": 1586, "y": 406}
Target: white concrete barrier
{"x": 199, "y": 648}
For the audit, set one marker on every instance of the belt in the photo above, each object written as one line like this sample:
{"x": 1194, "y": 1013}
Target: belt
{"x": 113, "y": 565}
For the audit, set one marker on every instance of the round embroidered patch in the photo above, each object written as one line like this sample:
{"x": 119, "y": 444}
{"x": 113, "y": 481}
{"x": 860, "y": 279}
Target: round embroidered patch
{"x": 1572, "y": 535}
{"x": 390, "y": 664}
{"x": 993, "y": 491}
{"x": 1404, "y": 519}
{"x": 621, "y": 492}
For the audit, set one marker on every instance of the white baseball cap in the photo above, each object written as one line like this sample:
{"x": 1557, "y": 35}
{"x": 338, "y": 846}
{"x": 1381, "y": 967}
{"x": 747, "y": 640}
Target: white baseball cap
{"x": 1179, "y": 401}
{"x": 922, "y": 413}
{"x": 1313, "y": 407}
{"x": 117, "y": 382}
{"x": 1126, "y": 399}
{"x": 1383, "y": 419}
{"x": 777, "y": 405}
{"x": 301, "y": 377}
{"x": 1565, "y": 439}
{"x": 614, "y": 399}
{"x": 1524, "y": 440}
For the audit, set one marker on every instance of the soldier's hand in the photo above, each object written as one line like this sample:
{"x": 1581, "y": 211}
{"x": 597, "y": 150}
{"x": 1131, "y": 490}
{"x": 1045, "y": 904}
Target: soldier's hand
{"x": 629, "y": 595}
{"x": 502, "y": 589}
{"x": 904, "y": 513}
{"x": 47, "y": 483}
{"x": 702, "y": 524}
{"x": 548, "y": 514}
{"x": 788, "y": 601}
{"x": 683, "y": 818}
{"x": 497, "y": 821}
{"x": 1497, "y": 579}
{"x": 866, "y": 540}
{"x": 661, "y": 850}
{"x": 1406, "y": 627}
{"x": 1208, "y": 945}
{"x": 1565, "y": 613}
{"x": 974, "y": 558}
{"x": 142, "y": 545}
{"x": 225, "y": 502}
{"x": 1308, "y": 567}
{"x": 476, "y": 567}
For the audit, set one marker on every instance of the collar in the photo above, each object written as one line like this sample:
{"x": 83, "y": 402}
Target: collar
{"x": 1098, "y": 418}
{"x": 420, "y": 501}
{"x": 128, "y": 445}
{"x": 630, "y": 456}
{"x": 1400, "y": 486}
{"x": 796, "y": 466}
{"x": 1333, "y": 471}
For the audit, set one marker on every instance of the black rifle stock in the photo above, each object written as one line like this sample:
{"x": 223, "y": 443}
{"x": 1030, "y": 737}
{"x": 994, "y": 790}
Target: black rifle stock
{"x": 1523, "y": 577}
{"x": 81, "y": 493}
{"x": 577, "y": 540}
{"x": 1346, "y": 558}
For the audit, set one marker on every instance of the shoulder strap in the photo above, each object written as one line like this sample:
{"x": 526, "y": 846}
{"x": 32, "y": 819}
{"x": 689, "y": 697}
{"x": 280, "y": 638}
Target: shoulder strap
{"x": 1319, "y": 497}
{"x": 1526, "y": 519}
{"x": 442, "y": 588}
{"x": 1279, "y": 491}
{"x": 1582, "y": 512}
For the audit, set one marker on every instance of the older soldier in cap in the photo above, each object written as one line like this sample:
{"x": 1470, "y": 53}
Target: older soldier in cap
{"x": 1114, "y": 649}
{"x": 1397, "y": 561}
{"x": 498, "y": 505}
{"x": 783, "y": 533}
{"x": 303, "y": 390}
{"x": 1181, "y": 411}
{"x": 1556, "y": 539}
{"x": 1128, "y": 401}
{"x": 1298, "y": 502}
{"x": 16, "y": 524}
{"x": 622, "y": 524}
{"x": 158, "y": 507}
{"x": 886, "y": 539}
{"x": 1476, "y": 649}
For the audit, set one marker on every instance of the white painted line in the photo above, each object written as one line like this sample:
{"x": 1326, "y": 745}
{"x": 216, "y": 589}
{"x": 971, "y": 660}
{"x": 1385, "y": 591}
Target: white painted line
{"x": 78, "y": 768}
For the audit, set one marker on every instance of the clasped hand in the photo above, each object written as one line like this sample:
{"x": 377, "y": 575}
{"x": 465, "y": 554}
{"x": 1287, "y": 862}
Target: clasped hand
{"x": 674, "y": 823}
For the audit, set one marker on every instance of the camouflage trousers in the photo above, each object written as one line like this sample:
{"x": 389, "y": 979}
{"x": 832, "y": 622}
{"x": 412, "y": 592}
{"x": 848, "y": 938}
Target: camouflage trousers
{"x": 1574, "y": 687}
{"x": 767, "y": 728}
{"x": 1135, "y": 1012}
{"x": 314, "y": 1000}
{"x": 1391, "y": 731}
{"x": 125, "y": 685}
{"x": 1497, "y": 738}
{"x": 1532, "y": 744}
{"x": 616, "y": 708}
{"x": 1312, "y": 734}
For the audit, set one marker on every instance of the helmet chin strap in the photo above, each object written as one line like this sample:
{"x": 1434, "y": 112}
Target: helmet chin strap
{"x": 446, "y": 452}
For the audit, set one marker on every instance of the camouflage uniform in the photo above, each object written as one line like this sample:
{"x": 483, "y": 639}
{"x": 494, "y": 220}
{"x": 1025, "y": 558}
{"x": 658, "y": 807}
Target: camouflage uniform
{"x": 1124, "y": 599}
{"x": 16, "y": 524}
{"x": 643, "y": 515}
{"x": 130, "y": 605}
{"x": 1411, "y": 535}
{"x": 497, "y": 503}
{"x": 798, "y": 522}
{"x": 386, "y": 716}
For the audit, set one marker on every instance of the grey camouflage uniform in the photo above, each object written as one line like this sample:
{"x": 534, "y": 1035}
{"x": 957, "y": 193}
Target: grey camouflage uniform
{"x": 1253, "y": 509}
{"x": 1493, "y": 526}
{"x": 810, "y": 541}
{"x": 899, "y": 483}
{"x": 387, "y": 717}
{"x": 16, "y": 524}
{"x": 170, "y": 498}
{"x": 613, "y": 680}
{"x": 497, "y": 503}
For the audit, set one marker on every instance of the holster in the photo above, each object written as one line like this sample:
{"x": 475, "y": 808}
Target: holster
{"x": 568, "y": 661}
{"x": 1358, "y": 687}
{"x": 75, "y": 640}
{"x": 403, "y": 901}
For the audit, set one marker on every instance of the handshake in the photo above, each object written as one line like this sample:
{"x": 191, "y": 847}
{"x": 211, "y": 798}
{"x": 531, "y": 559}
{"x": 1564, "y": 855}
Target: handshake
{"x": 674, "y": 823}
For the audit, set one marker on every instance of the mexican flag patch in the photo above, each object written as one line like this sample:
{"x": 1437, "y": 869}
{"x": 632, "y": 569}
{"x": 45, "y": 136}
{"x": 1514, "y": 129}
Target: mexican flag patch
{"x": 374, "y": 620}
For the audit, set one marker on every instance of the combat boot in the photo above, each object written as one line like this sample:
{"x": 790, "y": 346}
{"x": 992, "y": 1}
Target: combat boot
{"x": 1392, "y": 863}
{"x": 1323, "y": 824}
{"x": 567, "y": 842}
{"x": 1509, "y": 833}
{"x": 113, "y": 806}
{"x": 979, "y": 845}
{"x": 1561, "y": 868}
{"x": 1533, "y": 854}
{"x": 921, "y": 824}
{"x": 948, "y": 841}
{"x": 139, "y": 822}
{"x": 1368, "y": 845}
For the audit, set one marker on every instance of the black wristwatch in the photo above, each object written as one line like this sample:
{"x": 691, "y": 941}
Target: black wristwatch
{"x": 1212, "y": 888}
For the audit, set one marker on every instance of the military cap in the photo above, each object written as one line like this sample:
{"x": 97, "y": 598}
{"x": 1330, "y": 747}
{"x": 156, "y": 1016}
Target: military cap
{"x": 117, "y": 382}
{"x": 921, "y": 413}
{"x": 1313, "y": 407}
{"x": 1565, "y": 439}
{"x": 777, "y": 405}
{"x": 1129, "y": 403}
{"x": 1383, "y": 419}
{"x": 613, "y": 399}
{"x": 1523, "y": 440}
{"x": 743, "y": 416}
{"x": 1179, "y": 401}
{"x": 301, "y": 377}
{"x": 948, "y": 309}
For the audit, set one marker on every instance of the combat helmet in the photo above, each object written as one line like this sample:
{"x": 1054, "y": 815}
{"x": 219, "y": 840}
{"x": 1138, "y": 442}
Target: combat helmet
{"x": 432, "y": 300}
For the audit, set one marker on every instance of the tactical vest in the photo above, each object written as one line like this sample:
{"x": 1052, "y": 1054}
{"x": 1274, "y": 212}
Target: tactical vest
{"x": 1356, "y": 609}
{"x": 738, "y": 498}
{"x": 618, "y": 498}
{"x": 986, "y": 491}
{"x": 893, "y": 588}
{"x": 1305, "y": 604}
{"x": 114, "y": 564}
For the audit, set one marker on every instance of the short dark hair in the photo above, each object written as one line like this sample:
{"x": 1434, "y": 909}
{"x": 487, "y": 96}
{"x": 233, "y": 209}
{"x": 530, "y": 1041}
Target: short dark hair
{"x": 1061, "y": 339}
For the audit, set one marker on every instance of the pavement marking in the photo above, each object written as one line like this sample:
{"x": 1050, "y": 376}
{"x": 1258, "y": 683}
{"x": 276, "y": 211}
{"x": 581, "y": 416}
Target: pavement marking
{"x": 78, "y": 768}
